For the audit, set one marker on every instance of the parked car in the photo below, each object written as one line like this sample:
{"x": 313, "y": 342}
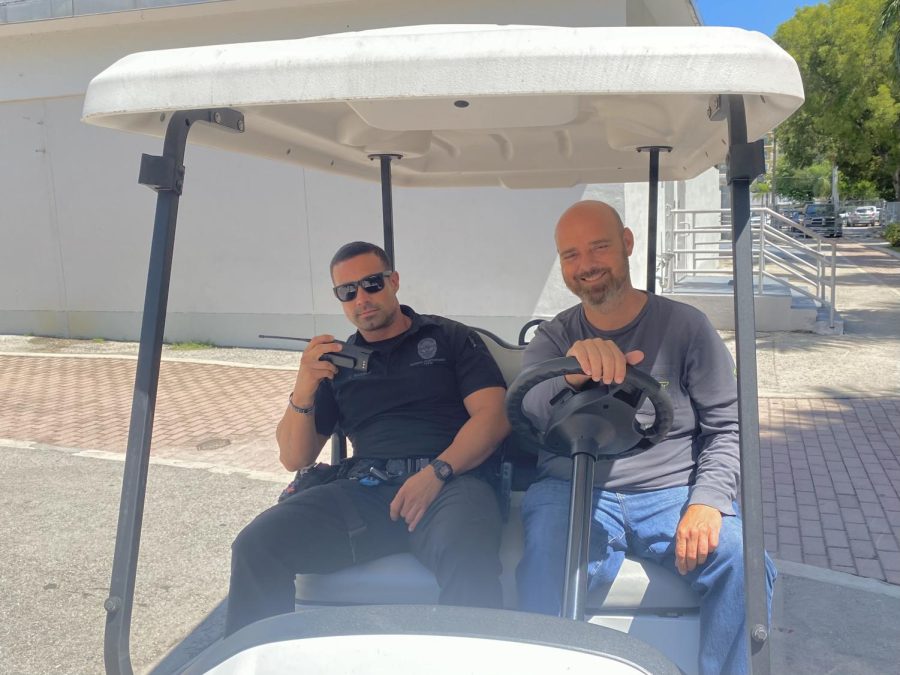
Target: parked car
{"x": 794, "y": 214}
{"x": 865, "y": 215}
{"x": 821, "y": 219}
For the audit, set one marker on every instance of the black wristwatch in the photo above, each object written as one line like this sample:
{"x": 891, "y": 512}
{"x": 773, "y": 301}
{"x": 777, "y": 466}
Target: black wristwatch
{"x": 442, "y": 470}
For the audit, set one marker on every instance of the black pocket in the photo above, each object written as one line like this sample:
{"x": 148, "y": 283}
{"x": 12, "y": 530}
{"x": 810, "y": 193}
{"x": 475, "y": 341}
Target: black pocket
{"x": 311, "y": 476}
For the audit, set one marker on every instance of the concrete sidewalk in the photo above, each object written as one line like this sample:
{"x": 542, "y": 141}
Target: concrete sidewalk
{"x": 829, "y": 416}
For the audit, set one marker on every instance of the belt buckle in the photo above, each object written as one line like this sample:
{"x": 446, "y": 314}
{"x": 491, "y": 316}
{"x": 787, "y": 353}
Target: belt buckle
{"x": 396, "y": 467}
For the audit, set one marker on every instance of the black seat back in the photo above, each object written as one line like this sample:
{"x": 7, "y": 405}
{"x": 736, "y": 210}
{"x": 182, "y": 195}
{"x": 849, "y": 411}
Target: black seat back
{"x": 517, "y": 452}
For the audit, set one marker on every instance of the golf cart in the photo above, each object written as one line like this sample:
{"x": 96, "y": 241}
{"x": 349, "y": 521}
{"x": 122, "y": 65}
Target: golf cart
{"x": 520, "y": 107}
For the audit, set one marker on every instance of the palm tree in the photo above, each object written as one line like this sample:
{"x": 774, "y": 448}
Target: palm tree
{"x": 890, "y": 23}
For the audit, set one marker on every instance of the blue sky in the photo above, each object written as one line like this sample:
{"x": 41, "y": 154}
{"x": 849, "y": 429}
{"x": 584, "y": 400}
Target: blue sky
{"x": 761, "y": 15}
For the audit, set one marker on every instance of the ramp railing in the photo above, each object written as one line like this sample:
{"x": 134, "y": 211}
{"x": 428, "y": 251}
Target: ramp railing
{"x": 697, "y": 244}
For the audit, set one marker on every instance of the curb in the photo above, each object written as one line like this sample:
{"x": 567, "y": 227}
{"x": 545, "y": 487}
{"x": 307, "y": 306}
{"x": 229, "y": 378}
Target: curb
{"x": 168, "y": 359}
{"x": 827, "y": 576}
{"x": 266, "y": 476}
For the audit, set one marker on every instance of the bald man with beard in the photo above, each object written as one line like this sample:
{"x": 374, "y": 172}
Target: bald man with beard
{"x": 673, "y": 504}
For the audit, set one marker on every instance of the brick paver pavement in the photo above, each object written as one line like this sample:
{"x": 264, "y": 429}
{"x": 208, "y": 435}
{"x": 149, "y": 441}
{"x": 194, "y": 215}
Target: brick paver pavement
{"x": 211, "y": 413}
{"x": 831, "y": 483}
{"x": 831, "y": 467}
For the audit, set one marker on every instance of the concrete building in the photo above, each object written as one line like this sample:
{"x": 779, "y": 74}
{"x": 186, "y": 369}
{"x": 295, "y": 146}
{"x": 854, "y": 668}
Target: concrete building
{"x": 255, "y": 237}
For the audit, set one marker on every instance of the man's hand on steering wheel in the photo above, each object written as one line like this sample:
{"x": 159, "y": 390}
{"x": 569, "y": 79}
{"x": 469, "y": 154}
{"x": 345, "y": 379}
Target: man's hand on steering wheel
{"x": 600, "y": 360}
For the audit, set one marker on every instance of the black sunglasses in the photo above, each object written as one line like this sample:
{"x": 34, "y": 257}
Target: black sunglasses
{"x": 370, "y": 284}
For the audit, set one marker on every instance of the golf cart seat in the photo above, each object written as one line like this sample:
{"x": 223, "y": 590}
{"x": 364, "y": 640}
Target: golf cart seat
{"x": 401, "y": 579}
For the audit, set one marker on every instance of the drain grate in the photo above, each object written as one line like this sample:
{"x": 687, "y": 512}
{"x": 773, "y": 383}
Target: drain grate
{"x": 213, "y": 444}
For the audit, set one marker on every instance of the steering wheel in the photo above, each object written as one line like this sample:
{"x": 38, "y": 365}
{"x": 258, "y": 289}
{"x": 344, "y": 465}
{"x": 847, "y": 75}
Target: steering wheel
{"x": 599, "y": 420}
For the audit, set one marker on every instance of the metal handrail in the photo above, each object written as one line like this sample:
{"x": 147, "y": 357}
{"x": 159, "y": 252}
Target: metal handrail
{"x": 810, "y": 281}
{"x": 800, "y": 262}
{"x": 805, "y": 268}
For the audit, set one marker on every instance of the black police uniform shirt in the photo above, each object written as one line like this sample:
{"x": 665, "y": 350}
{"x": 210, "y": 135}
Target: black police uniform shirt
{"x": 410, "y": 402}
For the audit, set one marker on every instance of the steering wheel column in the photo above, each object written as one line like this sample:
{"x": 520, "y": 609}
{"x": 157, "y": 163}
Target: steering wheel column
{"x": 579, "y": 537}
{"x": 595, "y": 424}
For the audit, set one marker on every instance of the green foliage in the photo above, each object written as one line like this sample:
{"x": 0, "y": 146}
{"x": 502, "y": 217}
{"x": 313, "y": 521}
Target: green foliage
{"x": 852, "y": 112}
{"x": 761, "y": 185}
{"x": 861, "y": 189}
{"x": 892, "y": 234}
{"x": 191, "y": 346}
{"x": 889, "y": 24}
{"x": 805, "y": 184}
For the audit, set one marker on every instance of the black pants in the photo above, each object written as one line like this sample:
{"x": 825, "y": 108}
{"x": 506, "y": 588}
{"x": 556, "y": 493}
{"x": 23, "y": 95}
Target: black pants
{"x": 458, "y": 539}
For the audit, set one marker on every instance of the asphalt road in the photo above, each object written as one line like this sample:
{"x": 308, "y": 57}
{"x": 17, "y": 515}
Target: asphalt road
{"x": 58, "y": 533}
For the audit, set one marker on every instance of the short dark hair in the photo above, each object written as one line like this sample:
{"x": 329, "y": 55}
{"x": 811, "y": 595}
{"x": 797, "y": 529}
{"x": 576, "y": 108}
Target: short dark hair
{"x": 355, "y": 248}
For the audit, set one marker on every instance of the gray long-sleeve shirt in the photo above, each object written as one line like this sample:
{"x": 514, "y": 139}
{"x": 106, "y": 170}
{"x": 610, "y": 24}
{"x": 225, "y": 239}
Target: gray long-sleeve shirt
{"x": 686, "y": 355}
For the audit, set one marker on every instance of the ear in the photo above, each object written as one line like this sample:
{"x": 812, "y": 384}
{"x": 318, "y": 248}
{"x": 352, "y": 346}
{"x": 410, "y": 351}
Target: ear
{"x": 394, "y": 280}
{"x": 628, "y": 238}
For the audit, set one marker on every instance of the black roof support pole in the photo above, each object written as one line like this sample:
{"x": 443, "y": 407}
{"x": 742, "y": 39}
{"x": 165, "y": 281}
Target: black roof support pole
{"x": 745, "y": 162}
{"x": 652, "y": 209}
{"x": 165, "y": 175}
{"x": 387, "y": 204}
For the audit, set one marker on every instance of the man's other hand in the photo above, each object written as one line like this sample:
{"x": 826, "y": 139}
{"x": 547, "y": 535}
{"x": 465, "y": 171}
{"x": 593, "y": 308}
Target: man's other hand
{"x": 697, "y": 536}
{"x": 600, "y": 360}
{"x": 415, "y": 496}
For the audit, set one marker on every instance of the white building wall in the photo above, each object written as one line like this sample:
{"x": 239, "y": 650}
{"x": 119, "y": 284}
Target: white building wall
{"x": 254, "y": 237}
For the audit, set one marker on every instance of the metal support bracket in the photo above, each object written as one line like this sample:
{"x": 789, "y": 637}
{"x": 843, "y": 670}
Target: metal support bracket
{"x": 162, "y": 173}
{"x": 746, "y": 161}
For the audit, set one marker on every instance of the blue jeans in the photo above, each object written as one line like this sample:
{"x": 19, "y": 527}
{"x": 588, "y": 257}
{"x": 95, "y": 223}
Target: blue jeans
{"x": 642, "y": 524}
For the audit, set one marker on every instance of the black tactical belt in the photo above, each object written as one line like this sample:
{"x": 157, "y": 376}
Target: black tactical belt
{"x": 389, "y": 469}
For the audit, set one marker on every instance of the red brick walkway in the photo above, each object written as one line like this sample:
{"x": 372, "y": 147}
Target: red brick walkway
{"x": 831, "y": 467}
{"x": 210, "y": 413}
{"x": 831, "y": 483}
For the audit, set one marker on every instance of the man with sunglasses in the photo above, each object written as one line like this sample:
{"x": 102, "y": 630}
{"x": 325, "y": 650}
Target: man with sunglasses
{"x": 425, "y": 415}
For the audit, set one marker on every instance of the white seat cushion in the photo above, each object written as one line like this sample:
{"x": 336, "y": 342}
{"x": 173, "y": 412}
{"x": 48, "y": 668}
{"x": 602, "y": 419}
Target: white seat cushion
{"x": 402, "y": 579}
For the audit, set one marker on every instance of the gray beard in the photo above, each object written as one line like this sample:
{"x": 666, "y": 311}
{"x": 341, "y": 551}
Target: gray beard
{"x": 605, "y": 295}
{"x": 609, "y": 294}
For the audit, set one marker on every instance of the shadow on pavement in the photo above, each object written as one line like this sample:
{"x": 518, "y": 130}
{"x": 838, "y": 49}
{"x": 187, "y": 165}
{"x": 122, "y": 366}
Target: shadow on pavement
{"x": 205, "y": 634}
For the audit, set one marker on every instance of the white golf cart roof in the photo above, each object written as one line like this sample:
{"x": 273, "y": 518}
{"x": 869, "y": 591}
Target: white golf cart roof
{"x": 466, "y": 105}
